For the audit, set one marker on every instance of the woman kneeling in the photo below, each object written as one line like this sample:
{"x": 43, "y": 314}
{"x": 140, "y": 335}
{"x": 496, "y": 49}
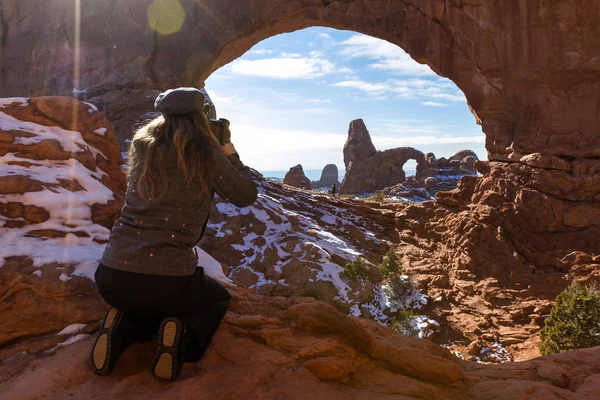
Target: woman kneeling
{"x": 149, "y": 273}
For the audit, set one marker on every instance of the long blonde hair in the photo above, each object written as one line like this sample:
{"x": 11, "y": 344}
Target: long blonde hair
{"x": 192, "y": 138}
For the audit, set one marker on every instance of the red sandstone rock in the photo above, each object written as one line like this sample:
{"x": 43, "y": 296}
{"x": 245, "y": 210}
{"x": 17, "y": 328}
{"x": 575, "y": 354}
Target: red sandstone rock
{"x": 503, "y": 239}
{"x": 368, "y": 170}
{"x": 329, "y": 177}
{"x": 275, "y": 347}
{"x": 292, "y": 242}
{"x": 359, "y": 146}
{"x": 383, "y": 169}
{"x": 295, "y": 177}
{"x": 98, "y": 151}
{"x": 61, "y": 190}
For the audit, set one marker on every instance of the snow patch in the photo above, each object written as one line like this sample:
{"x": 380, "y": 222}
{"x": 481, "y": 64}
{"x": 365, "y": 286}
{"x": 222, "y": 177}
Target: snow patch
{"x": 212, "y": 267}
{"x": 12, "y": 101}
{"x": 425, "y": 326}
{"x": 9, "y": 359}
{"x": 68, "y": 342}
{"x": 70, "y": 141}
{"x": 69, "y": 211}
{"x": 72, "y": 329}
{"x": 494, "y": 352}
{"x": 402, "y": 295}
{"x": 94, "y": 108}
{"x": 355, "y": 311}
{"x": 318, "y": 244}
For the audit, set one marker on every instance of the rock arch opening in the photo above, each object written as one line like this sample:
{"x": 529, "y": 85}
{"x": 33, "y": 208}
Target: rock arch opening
{"x": 530, "y": 74}
{"x": 299, "y": 91}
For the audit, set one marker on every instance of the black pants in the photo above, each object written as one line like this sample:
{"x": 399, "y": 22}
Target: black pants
{"x": 199, "y": 301}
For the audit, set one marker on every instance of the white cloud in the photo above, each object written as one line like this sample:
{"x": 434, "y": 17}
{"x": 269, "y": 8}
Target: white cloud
{"x": 388, "y": 56}
{"x": 433, "y": 104}
{"x": 384, "y": 127}
{"x": 372, "y": 88}
{"x": 290, "y": 55}
{"x": 284, "y": 67}
{"x": 346, "y": 70}
{"x": 260, "y": 52}
{"x": 324, "y": 36}
{"x": 425, "y": 90}
{"x": 216, "y": 98}
{"x": 449, "y": 96}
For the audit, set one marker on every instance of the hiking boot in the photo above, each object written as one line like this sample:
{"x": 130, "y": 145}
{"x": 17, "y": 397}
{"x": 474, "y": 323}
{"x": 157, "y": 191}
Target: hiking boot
{"x": 115, "y": 335}
{"x": 171, "y": 348}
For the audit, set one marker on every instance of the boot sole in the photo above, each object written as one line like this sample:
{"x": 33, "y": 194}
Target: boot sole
{"x": 165, "y": 367}
{"x": 110, "y": 318}
{"x": 100, "y": 352}
{"x": 101, "y": 355}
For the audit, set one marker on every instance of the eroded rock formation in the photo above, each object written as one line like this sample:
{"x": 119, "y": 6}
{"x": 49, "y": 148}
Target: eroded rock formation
{"x": 295, "y": 243}
{"x": 295, "y": 177}
{"x": 367, "y": 169}
{"x": 61, "y": 189}
{"x": 329, "y": 177}
{"x": 281, "y": 348}
{"x": 435, "y": 175}
{"x": 501, "y": 239}
{"x": 358, "y": 146}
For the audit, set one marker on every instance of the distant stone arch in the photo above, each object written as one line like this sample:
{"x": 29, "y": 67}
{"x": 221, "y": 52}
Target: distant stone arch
{"x": 367, "y": 169}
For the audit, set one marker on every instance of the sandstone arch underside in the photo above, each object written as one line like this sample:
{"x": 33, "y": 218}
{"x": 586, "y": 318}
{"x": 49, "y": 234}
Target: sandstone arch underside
{"x": 530, "y": 71}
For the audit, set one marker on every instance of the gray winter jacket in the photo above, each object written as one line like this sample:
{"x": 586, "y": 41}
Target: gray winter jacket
{"x": 157, "y": 236}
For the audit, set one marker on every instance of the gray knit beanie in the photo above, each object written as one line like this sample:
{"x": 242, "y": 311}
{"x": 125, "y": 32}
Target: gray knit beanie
{"x": 180, "y": 101}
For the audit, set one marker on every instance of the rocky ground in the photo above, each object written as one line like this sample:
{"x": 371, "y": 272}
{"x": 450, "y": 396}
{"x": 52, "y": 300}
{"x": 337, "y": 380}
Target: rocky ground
{"x": 284, "y": 348}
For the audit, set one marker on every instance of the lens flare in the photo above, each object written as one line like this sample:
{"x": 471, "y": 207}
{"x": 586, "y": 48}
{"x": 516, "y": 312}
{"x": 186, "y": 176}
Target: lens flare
{"x": 76, "y": 84}
{"x": 166, "y": 16}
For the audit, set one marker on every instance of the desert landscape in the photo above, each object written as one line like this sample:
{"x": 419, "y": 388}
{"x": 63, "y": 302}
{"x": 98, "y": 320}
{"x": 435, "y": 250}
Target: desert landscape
{"x": 432, "y": 286}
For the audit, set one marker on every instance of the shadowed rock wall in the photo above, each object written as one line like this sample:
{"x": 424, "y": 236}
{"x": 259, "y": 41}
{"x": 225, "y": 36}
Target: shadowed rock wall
{"x": 529, "y": 70}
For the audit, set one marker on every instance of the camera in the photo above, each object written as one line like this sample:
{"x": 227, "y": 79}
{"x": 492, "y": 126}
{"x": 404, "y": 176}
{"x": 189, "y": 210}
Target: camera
{"x": 218, "y": 126}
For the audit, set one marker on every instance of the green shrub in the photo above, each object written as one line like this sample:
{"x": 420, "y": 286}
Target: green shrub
{"x": 378, "y": 196}
{"x": 574, "y": 321}
{"x": 391, "y": 264}
{"x": 356, "y": 270}
{"x": 404, "y": 322}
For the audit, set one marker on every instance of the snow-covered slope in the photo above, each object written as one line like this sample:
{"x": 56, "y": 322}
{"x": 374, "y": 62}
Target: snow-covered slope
{"x": 57, "y": 183}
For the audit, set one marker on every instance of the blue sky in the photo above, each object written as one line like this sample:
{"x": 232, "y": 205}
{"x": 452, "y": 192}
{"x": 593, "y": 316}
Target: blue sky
{"x": 291, "y": 98}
